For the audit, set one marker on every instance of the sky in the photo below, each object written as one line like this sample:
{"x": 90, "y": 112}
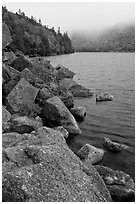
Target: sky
{"x": 77, "y": 16}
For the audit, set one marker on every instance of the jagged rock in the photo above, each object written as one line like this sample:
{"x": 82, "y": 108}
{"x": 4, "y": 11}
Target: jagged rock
{"x": 62, "y": 130}
{"x": 78, "y": 112}
{"x": 80, "y": 91}
{"x": 48, "y": 171}
{"x": 21, "y": 63}
{"x": 30, "y": 77}
{"x": 67, "y": 98}
{"x": 113, "y": 146}
{"x": 120, "y": 185}
{"x": 6, "y": 116}
{"x": 76, "y": 89}
{"x": 21, "y": 96}
{"x": 56, "y": 112}
{"x": 90, "y": 154}
{"x": 8, "y": 73}
{"x": 24, "y": 124}
{"x": 8, "y": 57}
{"x": 6, "y": 37}
{"x": 43, "y": 95}
{"x": 63, "y": 72}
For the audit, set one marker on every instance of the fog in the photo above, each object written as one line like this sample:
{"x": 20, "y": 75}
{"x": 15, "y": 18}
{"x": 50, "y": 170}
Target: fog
{"x": 77, "y": 17}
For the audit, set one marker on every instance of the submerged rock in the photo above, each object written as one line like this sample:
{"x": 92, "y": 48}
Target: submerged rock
{"x": 78, "y": 112}
{"x": 24, "y": 124}
{"x": 48, "y": 171}
{"x": 120, "y": 185}
{"x": 56, "y": 112}
{"x": 113, "y": 146}
{"x": 6, "y": 37}
{"x": 90, "y": 154}
{"x": 62, "y": 130}
{"x": 21, "y": 96}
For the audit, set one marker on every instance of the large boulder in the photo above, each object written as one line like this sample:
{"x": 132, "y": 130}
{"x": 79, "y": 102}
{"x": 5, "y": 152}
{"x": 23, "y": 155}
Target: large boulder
{"x": 43, "y": 95}
{"x": 76, "y": 89}
{"x": 120, "y": 185}
{"x": 90, "y": 154}
{"x": 113, "y": 146}
{"x": 6, "y": 37}
{"x": 8, "y": 73}
{"x": 8, "y": 57}
{"x": 56, "y": 112}
{"x": 78, "y": 112}
{"x": 48, "y": 171}
{"x": 21, "y": 63}
{"x": 25, "y": 124}
{"x": 63, "y": 72}
{"x": 21, "y": 96}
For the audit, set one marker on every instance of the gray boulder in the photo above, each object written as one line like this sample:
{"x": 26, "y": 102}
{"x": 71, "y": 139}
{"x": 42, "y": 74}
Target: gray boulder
{"x": 6, "y": 116}
{"x": 78, "y": 112}
{"x": 8, "y": 57}
{"x": 67, "y": 98}
{"x": 43, "y": 95}
{"x": 62, "y": 72}
{"x": 25, "y": 124}
{"x": 90, "y": 154}
{"x": 76, "y": 89}
{"x": 6, "y": 37}
{"x": 21, "y": 96}
{"x": 120, "y": 185}
{"x": 8, "y": 73}
{"x": 56, "y": 112}
{"x": 48, "y": 171}
{"x": 113, "y": 146}
{"x": 62, "y": 130}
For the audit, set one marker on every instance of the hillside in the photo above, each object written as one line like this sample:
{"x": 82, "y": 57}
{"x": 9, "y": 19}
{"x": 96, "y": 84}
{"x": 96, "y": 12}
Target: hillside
{"x": 34, "y": 39}
{"x": 117, "y": 39}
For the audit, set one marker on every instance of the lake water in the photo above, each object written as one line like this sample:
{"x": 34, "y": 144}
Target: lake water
{"x": 113, "y": 73}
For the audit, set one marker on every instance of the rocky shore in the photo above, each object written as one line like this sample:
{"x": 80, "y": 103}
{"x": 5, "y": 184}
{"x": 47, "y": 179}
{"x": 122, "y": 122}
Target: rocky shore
{"x": 38, "y": 115}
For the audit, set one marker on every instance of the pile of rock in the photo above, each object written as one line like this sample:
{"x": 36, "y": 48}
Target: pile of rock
{"x": 37, "y": 118}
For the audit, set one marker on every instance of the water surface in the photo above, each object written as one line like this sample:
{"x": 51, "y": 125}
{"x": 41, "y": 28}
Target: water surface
{"x": 112, "y": 73}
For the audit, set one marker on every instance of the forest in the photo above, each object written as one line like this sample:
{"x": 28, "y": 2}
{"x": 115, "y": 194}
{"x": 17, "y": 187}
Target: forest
{"x": 33, "y": 38}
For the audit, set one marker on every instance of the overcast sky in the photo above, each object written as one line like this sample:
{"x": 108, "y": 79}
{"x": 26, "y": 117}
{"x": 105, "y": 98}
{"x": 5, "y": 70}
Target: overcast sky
{"x": 78, "y": 16}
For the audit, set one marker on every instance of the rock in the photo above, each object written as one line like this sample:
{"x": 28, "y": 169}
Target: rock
{"x": 120, "y": 185}
{"x": 63, "y": 72}
{"x": 113, "y": 146}
{"x": 76, "y": 89}
{"x": 21, "y": 96}
{"x": 24, "y": 124}
{"x": 103, "y": 97}
{"x": 43, "y": 95}
{"x": 30, "y": 77}
{"x": 67, "y": 98}
{"x": 8, "y": 73}
{"x": 90, "y": 154}
{"x": 6, "y": 116}
{"x": 78, "y": 112}
{"x": 80, "y": 91}
{"x": 8, "y": 57}
{"x": 56, "y": 112}
{"x": 6, "y": 37}
{"x": 62, "y": 130}
{"x": 48, "y": 171}
{"x": 9, "y": 138}
{"x": 21, "y": 63}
